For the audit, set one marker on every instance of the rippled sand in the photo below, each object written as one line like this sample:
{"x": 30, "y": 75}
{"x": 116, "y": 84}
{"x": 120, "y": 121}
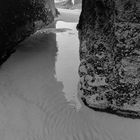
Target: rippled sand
{"x": 38, "y": 93}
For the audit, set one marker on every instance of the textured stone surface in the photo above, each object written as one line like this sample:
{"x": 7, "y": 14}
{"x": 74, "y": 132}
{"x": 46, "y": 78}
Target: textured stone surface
{"x": 18, "y": 18}
{"x": 109, "y": 33}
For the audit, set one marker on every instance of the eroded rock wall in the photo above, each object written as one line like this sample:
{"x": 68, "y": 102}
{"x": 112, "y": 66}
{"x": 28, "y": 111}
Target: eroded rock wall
{"x": 17, "y": 21}
{"x": 109, "y": 33}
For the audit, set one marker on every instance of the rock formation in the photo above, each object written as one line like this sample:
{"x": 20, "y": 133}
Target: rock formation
{"x": 109, "y": 33}
{"x": 18, "y": 20}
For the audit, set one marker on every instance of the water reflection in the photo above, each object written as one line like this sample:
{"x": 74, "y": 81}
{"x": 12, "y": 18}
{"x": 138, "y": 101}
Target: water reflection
{"x": 67, "y": 61}
{"x": 37, "y": 87}
{"x": 26, "y": 79}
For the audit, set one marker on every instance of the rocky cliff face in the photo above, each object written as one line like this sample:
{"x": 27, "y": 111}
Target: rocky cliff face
{"x": 17, "y": 21}
{"x": 109, "y": 33}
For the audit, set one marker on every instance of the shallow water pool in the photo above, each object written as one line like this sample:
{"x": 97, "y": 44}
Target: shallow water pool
{"x": 38, "y": 93}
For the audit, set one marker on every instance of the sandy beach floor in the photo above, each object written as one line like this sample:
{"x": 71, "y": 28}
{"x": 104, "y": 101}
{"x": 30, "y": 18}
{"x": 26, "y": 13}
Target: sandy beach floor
{"x": 39, "y": 94}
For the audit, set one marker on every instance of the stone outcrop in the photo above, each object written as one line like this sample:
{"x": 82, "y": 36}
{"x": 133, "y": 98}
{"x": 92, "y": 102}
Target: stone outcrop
{"x": 18, "y": 20}
{"x": 109, "y": 33}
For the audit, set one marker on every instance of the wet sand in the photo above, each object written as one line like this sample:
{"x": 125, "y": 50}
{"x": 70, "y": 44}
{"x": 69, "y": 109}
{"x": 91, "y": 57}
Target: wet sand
{"x": 39, "y": 94}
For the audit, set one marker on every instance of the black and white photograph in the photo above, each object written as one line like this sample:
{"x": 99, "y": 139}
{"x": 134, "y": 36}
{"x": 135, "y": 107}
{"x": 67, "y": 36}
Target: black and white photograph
{"x": 69, "y": 69}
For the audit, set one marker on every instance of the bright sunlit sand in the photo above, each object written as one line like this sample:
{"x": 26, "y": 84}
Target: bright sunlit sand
{"x": 39, "y": 94}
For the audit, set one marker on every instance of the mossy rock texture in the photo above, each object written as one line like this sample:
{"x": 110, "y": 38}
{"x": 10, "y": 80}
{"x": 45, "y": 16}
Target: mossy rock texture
{"x": 109, "y": 33}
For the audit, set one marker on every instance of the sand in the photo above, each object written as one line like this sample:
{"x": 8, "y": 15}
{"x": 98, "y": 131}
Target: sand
{"x": 39, "y": 95}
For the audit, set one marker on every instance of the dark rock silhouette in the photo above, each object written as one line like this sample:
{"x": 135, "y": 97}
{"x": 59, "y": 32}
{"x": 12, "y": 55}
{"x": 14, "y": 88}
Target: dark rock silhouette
{"x": 18, "y": 21}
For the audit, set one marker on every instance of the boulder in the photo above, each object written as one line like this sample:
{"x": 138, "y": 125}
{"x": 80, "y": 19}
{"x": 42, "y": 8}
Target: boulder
{"x": 109, "y": 33}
